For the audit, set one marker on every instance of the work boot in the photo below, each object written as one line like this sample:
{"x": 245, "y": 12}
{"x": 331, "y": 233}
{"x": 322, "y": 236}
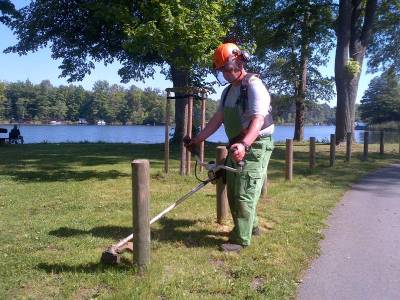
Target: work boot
{"x": 256, "y": 231}
{"x": 231, "y": 247}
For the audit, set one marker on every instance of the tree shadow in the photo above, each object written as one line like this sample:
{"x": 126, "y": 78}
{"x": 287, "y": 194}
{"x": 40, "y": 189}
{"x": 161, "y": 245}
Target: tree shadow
{"x": 99, "y": 267}
{"x": 172, "y": 230}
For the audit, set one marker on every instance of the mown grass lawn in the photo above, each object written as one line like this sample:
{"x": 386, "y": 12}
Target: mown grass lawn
{"x": 61, "y": 205}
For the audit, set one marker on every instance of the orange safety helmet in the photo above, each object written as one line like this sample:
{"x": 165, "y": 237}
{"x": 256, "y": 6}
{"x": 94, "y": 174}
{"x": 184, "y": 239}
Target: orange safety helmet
{"x": 224, "y": 53}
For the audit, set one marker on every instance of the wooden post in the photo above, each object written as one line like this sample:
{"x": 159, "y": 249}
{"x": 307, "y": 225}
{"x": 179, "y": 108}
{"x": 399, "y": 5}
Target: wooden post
{"x": 182, "y": 168}
{"x": 222, "y": 199}
{"x": 140, "y": 205}
{"x": 312, "y": 152}
{"x": 348, "y": 146}
{"x": 366, "y": 140}
{"x": 332, "y": 155}
{"x": 189, "y": 133}
{"x": 202, "y": 125}
{"x": 166, "y": 145}
{"x": 382, "y": 145}
{"x": 289, "y": 159}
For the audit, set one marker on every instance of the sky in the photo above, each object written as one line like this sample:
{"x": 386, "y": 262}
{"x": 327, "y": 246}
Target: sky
{"x": 40, "y": 66}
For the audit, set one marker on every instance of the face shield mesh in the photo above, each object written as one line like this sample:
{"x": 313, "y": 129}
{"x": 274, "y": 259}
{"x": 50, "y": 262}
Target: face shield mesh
{"x": 230, "y": 66}
{"x": 219, "y": 74}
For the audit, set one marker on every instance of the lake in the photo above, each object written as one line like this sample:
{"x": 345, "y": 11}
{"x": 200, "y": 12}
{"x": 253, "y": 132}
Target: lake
{"x": 155, "y": 134}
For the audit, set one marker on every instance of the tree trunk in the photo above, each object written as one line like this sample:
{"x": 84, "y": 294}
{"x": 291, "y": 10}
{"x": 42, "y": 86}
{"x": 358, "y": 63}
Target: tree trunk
{"x": 341, "y": 59}
{"x": 352, "y": 41}
{"x": 302, "y": 86}
{"x": 180, "y": 78}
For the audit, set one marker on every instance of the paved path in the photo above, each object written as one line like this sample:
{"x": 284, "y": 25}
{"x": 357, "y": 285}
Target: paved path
{"x": 360, "y": 255}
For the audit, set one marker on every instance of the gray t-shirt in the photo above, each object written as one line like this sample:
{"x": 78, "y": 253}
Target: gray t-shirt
{"x": 258, "y": 102}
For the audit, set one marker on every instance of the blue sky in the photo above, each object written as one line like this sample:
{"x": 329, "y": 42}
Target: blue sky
{"x": 39, "y": 66}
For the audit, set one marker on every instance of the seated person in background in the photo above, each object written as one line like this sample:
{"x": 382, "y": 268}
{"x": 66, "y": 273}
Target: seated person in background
{"x": 15, "y": 135}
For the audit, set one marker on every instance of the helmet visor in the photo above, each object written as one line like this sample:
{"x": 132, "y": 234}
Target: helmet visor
{"x": 219, "y": 74}
{"x": 229, "y": 68}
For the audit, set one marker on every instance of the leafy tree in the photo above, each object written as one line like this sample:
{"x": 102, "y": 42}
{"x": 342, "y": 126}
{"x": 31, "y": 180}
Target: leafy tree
{"x": 381, "y": 101}
{"x": 354, "y": 30}
{"x": 384, "y": 51}
{"x": 3, "y": 101}
{"x": 293, "y": 39}
{"x": 100, "y": 106}
{"x": 7, "y": 10}
{"x": 178, "y": 36}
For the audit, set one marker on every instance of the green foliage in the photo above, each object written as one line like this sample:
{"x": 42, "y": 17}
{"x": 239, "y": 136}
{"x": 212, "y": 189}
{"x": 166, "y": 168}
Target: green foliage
{"x": 139, "y": 34}
{"x": 384, "y": 51}
{"x": 287, "y": 34}
{"x": 23, "y": 101}
{"x": 353, "y": 67}
{"x": 381, "y": 101}
{"x": 3, "y": 100}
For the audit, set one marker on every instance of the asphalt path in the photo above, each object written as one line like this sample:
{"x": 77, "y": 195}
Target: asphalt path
{"x": 360, "y": 255}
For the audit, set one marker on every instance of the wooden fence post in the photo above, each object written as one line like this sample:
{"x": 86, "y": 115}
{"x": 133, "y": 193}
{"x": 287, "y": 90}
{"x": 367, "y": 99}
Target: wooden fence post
{"x": 332, "y": 155}
{"x": 202, "y": 125}
{"x": 189, "y": 133}
{"x": 222, "y": 200}
{"x": 140, "y": 205}
{"x": 366, "y": 141}
{"x": 182, "y": 167}
{"x": 348, "y": 146}
{"x": 382, "y": 145}
{"x": 166, "y": 145}
{"x": 289, "y": 159}
{"x": 312, "y": 152}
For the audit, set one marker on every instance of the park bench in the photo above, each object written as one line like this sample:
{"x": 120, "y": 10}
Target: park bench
{"x": 4, "y": 139}
{"x": 7, "y": 140}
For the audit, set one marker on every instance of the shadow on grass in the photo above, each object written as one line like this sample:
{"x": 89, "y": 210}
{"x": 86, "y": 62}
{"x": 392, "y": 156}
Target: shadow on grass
{"x": 65, "y": 175}
{"x": 60, "y": 162}
{"x": 99, "y": 267}
{"x": 172, "y": 230}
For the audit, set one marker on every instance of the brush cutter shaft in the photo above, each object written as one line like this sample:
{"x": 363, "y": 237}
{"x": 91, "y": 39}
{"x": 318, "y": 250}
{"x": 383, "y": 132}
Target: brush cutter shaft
{"x": 165, "y": 211}
{"x": 182, "y": 199}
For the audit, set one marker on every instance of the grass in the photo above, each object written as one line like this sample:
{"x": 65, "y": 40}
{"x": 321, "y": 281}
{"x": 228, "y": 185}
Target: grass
{"x": 61, "y": 205}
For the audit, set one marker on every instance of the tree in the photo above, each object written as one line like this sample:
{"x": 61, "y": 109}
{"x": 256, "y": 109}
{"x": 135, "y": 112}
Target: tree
{"x": 7, "y": 10}
{"x": 381, "y": 101}
{"x": 384, "y": 51}
{"x": 293, "y": 39}
{"x": 178, "y": 36}
{"x": 3, "y": 101}
{"x": 354, "y": 31}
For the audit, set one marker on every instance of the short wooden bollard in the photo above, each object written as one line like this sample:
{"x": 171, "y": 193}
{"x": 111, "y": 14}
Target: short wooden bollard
{"x": 289, "y": 159}
{"x": 222, "y": 199}
{"x": 140, "y": 205}
{"x": 366, "y": 141}
{"x": 332, "y": 154}
{"x": 348, "y": 146}
{"x": 382, "y": 145}
{"x": 312, "y": 152}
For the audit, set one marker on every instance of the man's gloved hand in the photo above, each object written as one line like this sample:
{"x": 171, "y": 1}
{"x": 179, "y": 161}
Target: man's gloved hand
{"x": 190, "y": 144}
{"x": 238, "y": 151}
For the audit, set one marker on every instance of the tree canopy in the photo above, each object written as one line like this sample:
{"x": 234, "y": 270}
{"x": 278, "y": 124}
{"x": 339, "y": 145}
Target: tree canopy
{"x": 381, "y": 101}
{"x": 139, "y": 34}
{"x": 293, "y": 39}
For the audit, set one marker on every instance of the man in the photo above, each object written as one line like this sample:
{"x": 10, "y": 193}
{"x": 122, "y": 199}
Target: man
{"x": 15, "y": 135}
{"x": 244, "y": 109}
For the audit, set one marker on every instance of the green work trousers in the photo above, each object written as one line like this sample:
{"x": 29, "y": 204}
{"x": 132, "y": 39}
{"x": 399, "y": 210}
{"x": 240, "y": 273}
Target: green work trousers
{"x": 244, "y": 189}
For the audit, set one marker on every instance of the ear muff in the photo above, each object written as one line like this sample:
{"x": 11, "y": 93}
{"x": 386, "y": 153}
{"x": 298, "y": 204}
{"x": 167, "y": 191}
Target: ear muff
{"x": 245, "y": 56}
